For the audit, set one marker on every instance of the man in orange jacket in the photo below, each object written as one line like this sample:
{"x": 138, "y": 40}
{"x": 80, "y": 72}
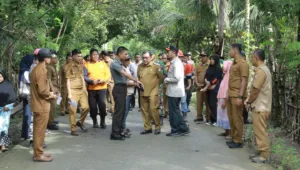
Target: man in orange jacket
{"x": 97, "y": 77}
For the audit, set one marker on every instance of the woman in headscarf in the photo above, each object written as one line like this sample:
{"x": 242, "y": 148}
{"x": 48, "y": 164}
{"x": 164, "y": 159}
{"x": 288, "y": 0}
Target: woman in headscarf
{"x": 7, "y": 99}
{"x": 222, "y": 116}
{"x": 213, "y": 79}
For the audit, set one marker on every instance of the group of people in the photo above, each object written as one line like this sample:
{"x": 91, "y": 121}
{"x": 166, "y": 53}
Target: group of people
{"x": 164, "y": 88}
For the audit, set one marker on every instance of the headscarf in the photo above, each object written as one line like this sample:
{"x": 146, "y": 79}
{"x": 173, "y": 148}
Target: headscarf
{"x": 213, "y": 69}
{"x": 222, "y": 94}
{"x": 7, "y": 92}
{"x": 25, "y": 65}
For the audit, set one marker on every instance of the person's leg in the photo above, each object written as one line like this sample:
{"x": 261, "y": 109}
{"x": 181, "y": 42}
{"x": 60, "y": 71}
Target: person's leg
{"x": 208, "y": 111}
{"x": 84, "y": 104}
{"x": 119, "y": 94}
{"x": 93, "y": 106}
{"x": 139, "y": 99}
{"x": 52, "y": 113}
{"x": 40, "y": 121}
{"x": 238, "y": 122}
{"x": 128, "y": 101}
{"x": 188, "y": 97}
{"x": 102, "y": 106}
{"x": 73, "y": 110}
{"x": 229, "y": 114}
{"x": 63, "y": 102}
{"x": 261, "y": 134}
{"x": 26, "y": 119}
{"x": 132, "y": 100}
{"x": 153, "y": 107}
{"x": 165, "y": 102}
{"x": 184, "y": 107}
{"x": 212, "y": 102}
{"x": 145, "y": 108}
{"x": 176, "y": 119}
{"x": 199, "y": 106}
{"x": 245, "y": 115}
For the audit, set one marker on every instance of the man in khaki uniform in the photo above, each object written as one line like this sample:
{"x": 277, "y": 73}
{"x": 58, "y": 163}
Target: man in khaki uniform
{"x": 260, "y": 102}
{"x": 151, "y": 76}
{"x": 201, "y": 97}
{"x": 52, "y": 75}
{"x": 76, "y": 91}
{"x": 63, "y": 86}
{"x": 237, "y": 93}
{"x": 40, "y": 97}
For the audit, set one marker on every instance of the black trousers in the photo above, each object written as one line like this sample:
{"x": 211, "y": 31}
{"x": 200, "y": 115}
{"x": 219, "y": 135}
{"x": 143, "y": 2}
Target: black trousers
{"x": 97, "y": 98}
{"x": 177, "y": 122}
{"x": 212, "y": 102}
{"x": 119, "y": 93}
{"x": 245, "y": 115}
{"x": 136, "y": 89}
{"x": 188, "y": 96}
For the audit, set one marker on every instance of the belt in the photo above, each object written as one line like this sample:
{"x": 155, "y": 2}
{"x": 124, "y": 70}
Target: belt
{"x": 121, "y": 84}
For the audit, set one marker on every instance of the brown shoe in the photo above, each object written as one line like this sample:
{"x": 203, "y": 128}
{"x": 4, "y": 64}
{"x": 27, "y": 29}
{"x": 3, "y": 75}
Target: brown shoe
{"x": 43, "y": 158}
{"x": 74, "y": 133}
{"x": 82, "y": 127}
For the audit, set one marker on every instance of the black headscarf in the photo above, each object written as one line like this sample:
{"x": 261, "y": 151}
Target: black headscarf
{"x": 7, "y": 92}
{"x": 214, "y": 69}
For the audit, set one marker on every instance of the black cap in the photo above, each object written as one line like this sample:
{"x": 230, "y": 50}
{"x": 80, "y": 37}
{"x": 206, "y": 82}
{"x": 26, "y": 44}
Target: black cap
{"x": 172, "y": 48}
{"x": 45, "y": 52}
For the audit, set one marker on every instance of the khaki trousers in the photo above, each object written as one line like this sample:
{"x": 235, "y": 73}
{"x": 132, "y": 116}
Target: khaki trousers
{"x": 40, "y": 120}
{"x": 64, "y": 101}
{"x": 236, "y": 120}
{"x": 260, "y": 132}
{"x": 80, "y": 97}
{"x": 110, "y": 96}
{"x": 165, "y": 101}
{"x": 149, "y": 108}
{"x": 201, "y": 98}
{"x": 52, "y": 112}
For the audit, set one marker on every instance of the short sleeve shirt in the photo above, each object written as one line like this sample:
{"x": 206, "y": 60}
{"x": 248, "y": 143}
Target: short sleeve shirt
{"x": 259, "y": 79}
{"x": 74, "y": 72}
{"x": 115, "y": 69}
{"x": 239, "y": 69}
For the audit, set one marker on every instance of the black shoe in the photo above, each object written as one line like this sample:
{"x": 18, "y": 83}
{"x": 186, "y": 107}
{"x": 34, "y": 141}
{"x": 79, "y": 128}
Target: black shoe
{"x": 56, "y": 122}
{"x": 74, "y": 133}
{"x": 165, "y": 116}
{"x": 235, "y": 145}
{"x": 95, "y": 123}
{"x": 81, "y": 126}
{"x": 116, "y": 137}
{"x": 184, "y": 132}
{"x": 172, "y": 134}
{"x": 146, "y": 132}
{"x": 53, "y": 127}
{"x": 103, "y": 125}
{"x": 66, "y": 113}
{"x": 157, "y": 132}
{"x": 259, "y": 159}
{"x": 229, "y": 142}
{"x": 126, "y": 133}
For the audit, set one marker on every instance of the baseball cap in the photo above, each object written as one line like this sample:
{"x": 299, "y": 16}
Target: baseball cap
{"x": 45, "y": 52}
{"x": 171, "y": 48}
{"x": 180, "y": 53}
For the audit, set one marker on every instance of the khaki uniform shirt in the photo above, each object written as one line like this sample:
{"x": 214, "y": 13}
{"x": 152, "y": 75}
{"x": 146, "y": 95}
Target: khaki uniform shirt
{"x": 53, "y": 77}
{"x": 200, "y": 72}
{"x": 262, "y": 80}
{"x": 151, "y": 77}
{"x": 62, "y": 77}
{"x": 74, "y": 72}
{"x": 39, "y": 89}
{"x": 239, "y": 69}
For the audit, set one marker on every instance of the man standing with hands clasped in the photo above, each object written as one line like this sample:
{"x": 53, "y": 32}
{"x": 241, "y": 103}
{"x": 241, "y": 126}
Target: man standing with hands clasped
{"x": 40, "y": 97}
{"x": 151, "y": 76}
{"x": 237, "y": 93}
{"x": 120, "y": 77}
{"x": 260, "y": 102}
{"x": 76, "y": 92}
{"x": 175, "y": 91}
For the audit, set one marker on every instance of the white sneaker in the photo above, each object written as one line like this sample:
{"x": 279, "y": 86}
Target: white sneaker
{"x": 208, "y": 123}
{"x": 215, "y": 124}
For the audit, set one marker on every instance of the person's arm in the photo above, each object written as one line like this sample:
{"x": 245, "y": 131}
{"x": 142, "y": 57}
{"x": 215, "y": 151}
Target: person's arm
{"x": 260, "y": 78}
{"x": 130, "y": 83}
{"x": 178, "y": 74}
{"x": 120, "y": 69}
{"x": 196, "y": 77}
{"x": 244, "y": 69}
{"x": 160, "y": 75}
{"x": 43, "y": 85}
{"x": 68, "y": 76}
{"x": 85, "y": 76}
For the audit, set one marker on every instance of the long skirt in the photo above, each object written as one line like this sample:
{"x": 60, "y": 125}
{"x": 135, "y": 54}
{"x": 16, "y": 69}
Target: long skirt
{"x": 222, "y": 120}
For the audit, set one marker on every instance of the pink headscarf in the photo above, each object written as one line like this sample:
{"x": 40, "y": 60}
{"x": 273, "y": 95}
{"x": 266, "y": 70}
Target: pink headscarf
{"x": 222, "y": 94}
{"x": 36, "y": 51}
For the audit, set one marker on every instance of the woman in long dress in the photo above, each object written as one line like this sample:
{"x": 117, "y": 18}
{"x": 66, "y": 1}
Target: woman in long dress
{"x": 222, "y": 117}
{"x": 7, "y": 99}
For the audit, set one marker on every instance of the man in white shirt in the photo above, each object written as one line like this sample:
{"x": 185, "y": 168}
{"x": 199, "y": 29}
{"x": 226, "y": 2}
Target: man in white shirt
{"x": 134, "y": 67}
{"x": 175, "y": 91}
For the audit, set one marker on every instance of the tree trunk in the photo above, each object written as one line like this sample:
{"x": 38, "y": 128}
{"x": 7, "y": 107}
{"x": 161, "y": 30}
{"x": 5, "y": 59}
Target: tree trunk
{"x": 60, "y": 30}
{"x": 247, "y": 25}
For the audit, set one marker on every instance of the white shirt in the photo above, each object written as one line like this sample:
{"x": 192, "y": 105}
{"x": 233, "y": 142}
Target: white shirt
{"x": 130, "y": 90}
{"x": 175, "y": 79}
{"x": 134, "y": 67}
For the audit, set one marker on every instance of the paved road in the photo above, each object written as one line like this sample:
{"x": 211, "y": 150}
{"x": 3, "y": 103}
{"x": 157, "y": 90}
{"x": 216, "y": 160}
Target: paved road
{"x": 201, "y": 150}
